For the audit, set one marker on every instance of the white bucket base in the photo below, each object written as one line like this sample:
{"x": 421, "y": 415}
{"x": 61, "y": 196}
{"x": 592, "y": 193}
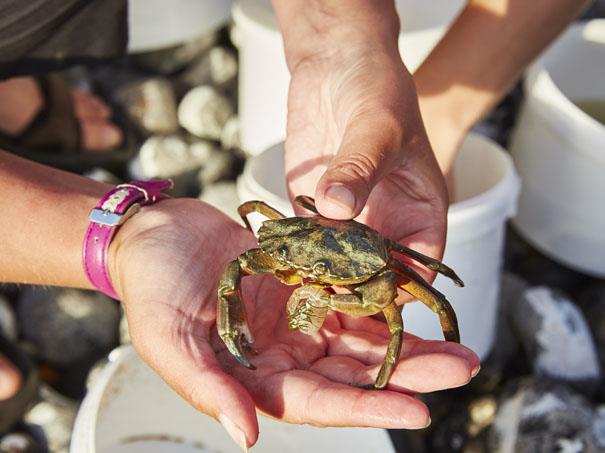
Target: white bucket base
{"x": 130, "y": 409}
{"x": 487, "y": 187}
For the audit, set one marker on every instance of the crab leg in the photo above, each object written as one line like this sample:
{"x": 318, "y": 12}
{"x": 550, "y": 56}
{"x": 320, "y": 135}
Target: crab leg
{"x": 375, "y": 295}
{"x": 431, "y": 263}
{"x": 410, "y": 281}
{"x": 395, "y": 323}
{"x": 258, "y": 206}
{"x": 231, "y": 320}
{"x": 306, "y": 202}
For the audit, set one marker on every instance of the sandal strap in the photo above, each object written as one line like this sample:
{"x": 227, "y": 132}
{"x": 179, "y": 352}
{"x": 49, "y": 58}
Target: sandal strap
{"x": 56, "y": 126}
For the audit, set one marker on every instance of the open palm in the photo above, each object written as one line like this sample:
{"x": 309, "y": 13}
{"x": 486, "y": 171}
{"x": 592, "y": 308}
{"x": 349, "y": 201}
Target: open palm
{"x": 168, "y": 260}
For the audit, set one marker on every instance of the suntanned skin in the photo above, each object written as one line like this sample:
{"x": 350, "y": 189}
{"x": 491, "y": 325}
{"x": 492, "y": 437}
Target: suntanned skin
{"x": 478, "y": 60}
{"x": 350, "y": 128}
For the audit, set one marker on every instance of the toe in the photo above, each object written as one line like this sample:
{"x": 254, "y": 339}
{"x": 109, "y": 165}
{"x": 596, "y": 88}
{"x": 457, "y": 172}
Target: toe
{"x": 89, "y": 106}
{"x": 10, "y": 379}
{"x": 100, "y": 135}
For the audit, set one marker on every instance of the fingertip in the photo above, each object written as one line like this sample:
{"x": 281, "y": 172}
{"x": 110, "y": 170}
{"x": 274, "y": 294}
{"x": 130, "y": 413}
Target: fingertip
{"x": 242, "y": 439}
{"x": 338, "y": 202}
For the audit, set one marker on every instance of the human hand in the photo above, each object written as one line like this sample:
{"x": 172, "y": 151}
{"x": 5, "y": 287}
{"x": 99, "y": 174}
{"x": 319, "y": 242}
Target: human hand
{"x": 165, "y": 264}
{"x": 354, "y": 122}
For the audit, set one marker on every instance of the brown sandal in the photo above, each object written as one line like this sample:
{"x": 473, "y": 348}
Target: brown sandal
{"x": 53, "y": 137}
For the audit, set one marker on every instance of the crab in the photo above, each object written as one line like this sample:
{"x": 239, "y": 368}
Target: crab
{"x": 319, "y": 254}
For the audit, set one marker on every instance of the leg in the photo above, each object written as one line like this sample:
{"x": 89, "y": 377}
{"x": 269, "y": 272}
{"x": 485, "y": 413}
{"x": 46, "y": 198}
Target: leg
{"x": 395, "y": 323}
{"x": 375, "y": 295}
{"x": 306, "y": 202}
{"x": 431, "y": 263}
{"x": 411, "y": 282}
{"x": 231, "y": 321}
{"x": 258, "y": 206}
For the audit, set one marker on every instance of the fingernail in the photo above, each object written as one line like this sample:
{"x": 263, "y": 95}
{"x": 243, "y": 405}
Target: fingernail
{"x": 475, "y": 371}
{"x": 236, "y": 434}
{"x": 429, "y": 423}
{"x": 342, "y": 196}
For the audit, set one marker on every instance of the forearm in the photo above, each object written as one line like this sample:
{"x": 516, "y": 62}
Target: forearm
{"x": 484, "y": 52}
{"x": 44, "y": 216}
{"x": 313, "y": 27}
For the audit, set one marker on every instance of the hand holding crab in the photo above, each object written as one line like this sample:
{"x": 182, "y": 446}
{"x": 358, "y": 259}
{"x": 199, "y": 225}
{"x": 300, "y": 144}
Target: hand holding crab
{"x": 318, "y": 253}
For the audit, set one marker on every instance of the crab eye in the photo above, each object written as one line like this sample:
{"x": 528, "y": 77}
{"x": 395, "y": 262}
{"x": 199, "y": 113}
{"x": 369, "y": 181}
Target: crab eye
{"x": 320, "y": 268}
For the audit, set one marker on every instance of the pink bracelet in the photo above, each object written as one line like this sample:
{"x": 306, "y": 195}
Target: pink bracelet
{"x": 112, "y": 211}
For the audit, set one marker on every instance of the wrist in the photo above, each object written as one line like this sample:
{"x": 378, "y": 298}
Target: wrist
{"x": 110, "y": 214}
{"x": 323, "y": 28}
{"x": 445, "y": 127}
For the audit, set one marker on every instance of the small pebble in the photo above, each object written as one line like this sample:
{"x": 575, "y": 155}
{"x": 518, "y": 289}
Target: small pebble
{"x": 230, "y": 134}
{"x": 542, "y": 416}
{"x": 204, "y": 112}
{"x": 68, "y": 325}
{"x": 556, "y": 338}
{"x": 151, "y": 104}
{"x": 172, "y": 155}
{"x": 54, "y": 416}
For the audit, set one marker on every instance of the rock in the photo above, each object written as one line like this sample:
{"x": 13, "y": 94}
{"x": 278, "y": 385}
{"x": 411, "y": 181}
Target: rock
{"x": 460, "y": 422}
{"x": 169, "y": 60}
{"x": 218, "y": 67}
{"x": 95, "y": 372}
{"x": 598, "y": 427}
{"x": 151, "y": 104}
{"x": 172, "y": 155}
{"x": 53, "y": 419}
{"x": 482, "y": 413}
{"x": 102, "y": 175}
{"x": 223, "y": 66}
{"x": 223, "y": 196}
{"x": 234, "y": 35}
{"x": 542, "y": 416}
{"x": 124, "y": 331}
{"x": 8, "y": 320}
{"x": 230, "y": 138}
{"x": 204, "y": 112}
{"x": 219, "y": 166}
{"x": 19, "y": 443}
{"x": 68, "y": 326}
{"x": 556, "y": 338}
{"x": 592, "y": 301}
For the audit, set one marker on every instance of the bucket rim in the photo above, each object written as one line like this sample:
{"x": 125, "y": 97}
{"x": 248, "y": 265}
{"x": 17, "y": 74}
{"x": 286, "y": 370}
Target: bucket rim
{"x": 505, "y": 192}
{"x": 543, "y": 95}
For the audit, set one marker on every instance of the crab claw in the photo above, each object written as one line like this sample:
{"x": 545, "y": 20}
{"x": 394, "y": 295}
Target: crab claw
{"x": 231, "y": 320}
{"x": 235, "y": 345}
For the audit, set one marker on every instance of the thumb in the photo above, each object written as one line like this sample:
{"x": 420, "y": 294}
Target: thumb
{"x": 369, "y": 150}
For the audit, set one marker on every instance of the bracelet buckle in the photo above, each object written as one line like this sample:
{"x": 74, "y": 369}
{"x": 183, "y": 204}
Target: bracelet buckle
{"x": 108, "y": 218}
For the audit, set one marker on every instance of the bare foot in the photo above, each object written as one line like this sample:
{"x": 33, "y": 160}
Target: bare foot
{"x": 10, "y": 379}
{"x": 21, "y": 100}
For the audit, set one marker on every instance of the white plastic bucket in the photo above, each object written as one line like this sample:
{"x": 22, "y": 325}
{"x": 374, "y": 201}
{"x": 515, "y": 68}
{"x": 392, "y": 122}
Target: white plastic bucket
{"x": 487, "y": 187}
{"x": 130, "y": 409}
{"x": 560, "y": 151}
{"x": 264, "y": 77}
{"x": 157, "y": 24}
